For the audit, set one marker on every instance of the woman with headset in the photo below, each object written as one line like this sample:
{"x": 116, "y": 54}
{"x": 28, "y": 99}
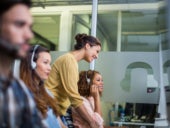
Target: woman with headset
{"x": 34, "y": 69}
{"x": 90, "y": 87}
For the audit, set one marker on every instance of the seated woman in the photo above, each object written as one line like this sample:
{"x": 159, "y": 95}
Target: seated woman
{"x": 90, "y": 87}
{"x": 34, "y": 69}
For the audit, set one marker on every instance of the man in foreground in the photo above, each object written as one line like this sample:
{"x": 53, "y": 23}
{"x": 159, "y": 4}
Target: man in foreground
{"x": 17, "y": 108}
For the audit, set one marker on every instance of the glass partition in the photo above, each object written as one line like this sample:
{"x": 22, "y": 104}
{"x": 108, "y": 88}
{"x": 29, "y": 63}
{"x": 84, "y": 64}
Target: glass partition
{"x": 81, "y": 24}
{"x": 140, "y": 28}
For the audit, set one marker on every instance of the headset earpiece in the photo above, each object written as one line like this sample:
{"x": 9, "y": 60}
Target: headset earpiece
{"x": 87, "y": 79}
{"x": 33, "y": 63}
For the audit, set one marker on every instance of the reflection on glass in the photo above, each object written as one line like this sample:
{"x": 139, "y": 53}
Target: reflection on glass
{"x": 107, "y": 30}
{"x": 46, "y": 31}
{"x": 139, "y": 30}
{"x": 81, "y": 24}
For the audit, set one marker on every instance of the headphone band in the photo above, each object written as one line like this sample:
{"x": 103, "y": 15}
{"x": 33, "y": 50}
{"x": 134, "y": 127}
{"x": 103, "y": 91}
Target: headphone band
{"x": 33, "y": 64}
{"x": 87, "y": 79}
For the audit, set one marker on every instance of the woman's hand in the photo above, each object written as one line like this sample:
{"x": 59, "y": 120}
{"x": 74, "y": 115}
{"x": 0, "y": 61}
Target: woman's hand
{"x": 94, "y": 91}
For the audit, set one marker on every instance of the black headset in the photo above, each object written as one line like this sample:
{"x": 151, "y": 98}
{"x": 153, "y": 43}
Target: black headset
{"x": 33, "y": 63}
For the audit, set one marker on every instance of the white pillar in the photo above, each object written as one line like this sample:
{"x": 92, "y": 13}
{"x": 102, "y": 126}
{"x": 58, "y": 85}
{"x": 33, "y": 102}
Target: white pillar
{"x": 65, "y": 31}
{"x": 162, "y": 109}
{"x": 119, "y": 30}
{"x": 94, "y": 26}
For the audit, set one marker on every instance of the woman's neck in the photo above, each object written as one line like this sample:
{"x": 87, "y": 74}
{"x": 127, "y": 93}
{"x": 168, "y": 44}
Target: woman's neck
{"x": 78, "y": 54}
{"x": 5, "y": 65}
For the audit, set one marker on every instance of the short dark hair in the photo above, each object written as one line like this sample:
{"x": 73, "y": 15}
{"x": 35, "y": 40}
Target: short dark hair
{"x": 5, "y": 5}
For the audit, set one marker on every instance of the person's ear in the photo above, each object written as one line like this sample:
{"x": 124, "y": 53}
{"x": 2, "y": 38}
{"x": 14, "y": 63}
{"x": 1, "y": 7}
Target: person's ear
{"x": 87, "y": 46}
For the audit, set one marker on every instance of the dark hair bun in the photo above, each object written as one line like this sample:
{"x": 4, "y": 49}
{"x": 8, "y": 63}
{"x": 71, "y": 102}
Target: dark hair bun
{"x": 83, "y": 39}
{"x": 80, "y": 42}
{"x": 79, "y": 37}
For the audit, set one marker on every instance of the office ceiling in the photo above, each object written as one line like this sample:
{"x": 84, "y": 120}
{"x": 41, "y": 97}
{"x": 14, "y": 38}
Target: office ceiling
{"x": 86, "y": 2}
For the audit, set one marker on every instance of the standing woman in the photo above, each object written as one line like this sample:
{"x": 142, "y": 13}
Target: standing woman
{"x": 63, "y": 78}
{"x": 90, "y": 87}
{"x": 34, "y": 69}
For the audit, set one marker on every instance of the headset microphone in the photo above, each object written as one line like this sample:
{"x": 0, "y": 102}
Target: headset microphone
{"x": 33, "y": 63}
{"x": 9, "y": 48}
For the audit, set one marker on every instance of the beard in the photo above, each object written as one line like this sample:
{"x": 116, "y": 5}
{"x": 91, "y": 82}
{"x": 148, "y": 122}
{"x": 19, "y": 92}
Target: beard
{"x": 12, "y": 50}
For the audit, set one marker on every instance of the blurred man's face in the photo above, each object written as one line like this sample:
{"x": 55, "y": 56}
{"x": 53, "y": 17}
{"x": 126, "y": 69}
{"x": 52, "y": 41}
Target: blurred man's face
{"x": 16, "y": 27}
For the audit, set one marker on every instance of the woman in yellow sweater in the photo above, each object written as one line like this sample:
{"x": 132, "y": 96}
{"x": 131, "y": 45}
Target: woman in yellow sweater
{"x": 64, "y": 75}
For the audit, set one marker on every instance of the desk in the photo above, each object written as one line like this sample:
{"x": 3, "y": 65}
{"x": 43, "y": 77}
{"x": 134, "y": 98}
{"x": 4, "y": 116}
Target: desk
{"x": 118, "y": 123}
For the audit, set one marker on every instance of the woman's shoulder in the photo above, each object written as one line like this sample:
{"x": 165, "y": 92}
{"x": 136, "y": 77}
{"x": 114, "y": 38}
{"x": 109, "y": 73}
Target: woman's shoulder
{"x": 68, "y": 55}
{"x": 66, "y": 58}
{"x": 88, "y": 100}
